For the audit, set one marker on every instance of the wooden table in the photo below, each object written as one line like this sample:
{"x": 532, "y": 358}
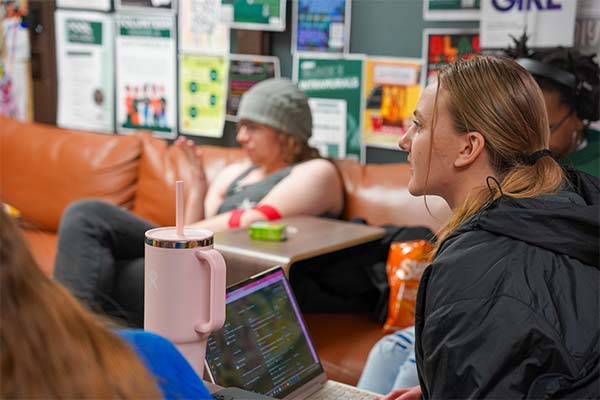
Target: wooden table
{"x": 307, "y": 237}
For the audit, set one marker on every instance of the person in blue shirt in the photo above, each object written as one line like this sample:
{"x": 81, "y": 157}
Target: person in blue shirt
{"x": 52, "y": 347}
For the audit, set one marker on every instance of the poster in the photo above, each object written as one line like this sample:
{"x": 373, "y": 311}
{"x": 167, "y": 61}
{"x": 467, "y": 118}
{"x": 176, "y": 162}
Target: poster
{"x": 587, "y": 27}
{"x": 146, "y": 5}
{"x": 145, "y": 73}
{"x": 246, "y": 71}
{"x": 334, "y": 78}
{"x": 263, "y": 15}
{"x": 451, "y": 10}
{"x": 202, "y": 94}
{"x": 321, "y": 26}
{"x": 97, "y": 5}
{"x": 443, "y": 46}
{"x": 15, "y": 69}
{"x": 329, "y": 127}
{"x": 547, "y": 23}
{"x": 201, "y": 29}
{"x": 84, "y": 59}
{"x": 390, "y": 92}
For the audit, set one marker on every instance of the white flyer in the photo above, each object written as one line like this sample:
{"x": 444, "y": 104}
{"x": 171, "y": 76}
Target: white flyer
{"x": 85, "y": 70}
{"x": 547, "y": 23}
{"x": 146, "y": 73}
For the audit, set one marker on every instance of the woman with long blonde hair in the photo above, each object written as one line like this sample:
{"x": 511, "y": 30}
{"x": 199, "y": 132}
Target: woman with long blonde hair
{"x": 509, "y": 307}
{"x": 52, "y": 347}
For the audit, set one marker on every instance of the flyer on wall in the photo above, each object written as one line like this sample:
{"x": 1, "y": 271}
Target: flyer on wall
{"x": 201, "y": 29}
{"x": 261, "y": 15}
{"x": 321, "y": 26}
{"x": 85, "y": 71}
{"x": 97, "y": 5}
{"x": 15, "y": 69}
{"x": 390, "y": 94}
{"x": 451, "y": 10}
{"x": 443, "y": 46}
{"x": 146, "y": 73}
{"x": 202, "y": 94}
{"x": 246, "y": 71}
{"x": 146, "y": 5}
{"x": 337, "y": 81}
{"x": 547, "y": 24}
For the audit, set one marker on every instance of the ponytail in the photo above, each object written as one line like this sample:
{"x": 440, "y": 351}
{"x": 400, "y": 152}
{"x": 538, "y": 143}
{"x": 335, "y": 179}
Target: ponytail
{"x": 501, "y": 100}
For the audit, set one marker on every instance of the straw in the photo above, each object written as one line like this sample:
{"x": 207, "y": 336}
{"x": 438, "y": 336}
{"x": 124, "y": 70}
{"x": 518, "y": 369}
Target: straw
{"x": 179, "y": 208}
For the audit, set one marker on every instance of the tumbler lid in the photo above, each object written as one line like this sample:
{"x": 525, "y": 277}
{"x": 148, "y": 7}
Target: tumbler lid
{"x": 167, "y": 237}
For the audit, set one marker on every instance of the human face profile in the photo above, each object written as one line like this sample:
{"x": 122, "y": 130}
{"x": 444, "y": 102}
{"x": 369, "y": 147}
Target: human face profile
{"x": 565, "y": 127}
{"x": 260, "y": 142}
{"x": 431, "y": 148}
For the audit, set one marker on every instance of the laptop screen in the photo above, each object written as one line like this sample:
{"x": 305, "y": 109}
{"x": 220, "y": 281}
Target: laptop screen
{"x": 263, "y": 346}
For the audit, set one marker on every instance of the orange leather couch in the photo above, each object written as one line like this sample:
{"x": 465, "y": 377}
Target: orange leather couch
{"x": 44, "y": 168}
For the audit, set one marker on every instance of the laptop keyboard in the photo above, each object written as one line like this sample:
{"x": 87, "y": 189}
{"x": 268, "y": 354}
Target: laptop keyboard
{"x": 336, "y": 390}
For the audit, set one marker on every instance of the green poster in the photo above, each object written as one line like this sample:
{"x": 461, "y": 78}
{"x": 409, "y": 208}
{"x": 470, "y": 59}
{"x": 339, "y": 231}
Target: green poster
{"x": 268, "y": 15}
{"x": 334, "y": 78}
{"x": 203, "y": 92}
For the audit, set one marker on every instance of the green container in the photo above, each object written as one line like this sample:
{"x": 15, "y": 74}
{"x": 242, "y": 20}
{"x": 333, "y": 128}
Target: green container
{"x": 266, "y": 231}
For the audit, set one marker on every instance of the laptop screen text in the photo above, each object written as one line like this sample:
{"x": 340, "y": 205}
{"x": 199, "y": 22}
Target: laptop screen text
{"x": 263, "y": 345}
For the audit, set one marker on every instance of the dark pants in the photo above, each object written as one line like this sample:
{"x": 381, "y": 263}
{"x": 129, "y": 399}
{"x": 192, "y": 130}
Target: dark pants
{"x": 100, "y": 258}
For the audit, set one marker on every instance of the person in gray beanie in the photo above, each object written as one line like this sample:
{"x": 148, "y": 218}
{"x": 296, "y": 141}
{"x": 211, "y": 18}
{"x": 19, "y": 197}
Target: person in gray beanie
{"x": 283, "y": 176}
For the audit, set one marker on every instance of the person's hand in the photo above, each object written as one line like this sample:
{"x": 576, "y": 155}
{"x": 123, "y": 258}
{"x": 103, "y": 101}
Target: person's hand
{"x": 412, "y": 393}
{"x": 195, "y": 158}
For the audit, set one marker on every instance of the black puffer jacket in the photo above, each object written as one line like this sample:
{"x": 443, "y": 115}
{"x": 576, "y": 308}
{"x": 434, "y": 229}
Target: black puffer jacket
{"x": 510, "y": 307}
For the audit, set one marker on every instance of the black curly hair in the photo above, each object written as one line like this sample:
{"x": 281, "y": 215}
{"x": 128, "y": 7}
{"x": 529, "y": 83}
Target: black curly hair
{"x": 584, "y": 97}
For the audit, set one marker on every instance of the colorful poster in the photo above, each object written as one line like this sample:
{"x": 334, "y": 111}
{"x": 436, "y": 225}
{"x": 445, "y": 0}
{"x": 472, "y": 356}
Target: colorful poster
{"x": 85, "y": 71}
{"x": 334, "y": 78}
{"x": 15, "y": 69}
{"x": 201, "y": 29}
{"x": 443, "y": 46}
{"x": 547, "y": 23}
{"x": 262, "y": 15}
{"x": 321, "y": 26}
{"x": 146, "y": 74}
{"x": 202, "y": 94}
{"x": 451, "y": 10}
{"x": 390, "y": 92}
{"x": 146, "y": 5}
{"x": 329, "y": 127}
{"x": 98, "y": 5}
{"x": 246, "y": 71}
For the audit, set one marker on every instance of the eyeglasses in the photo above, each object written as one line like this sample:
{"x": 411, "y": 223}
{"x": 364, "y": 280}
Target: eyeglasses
{"x": 559, "y": 123}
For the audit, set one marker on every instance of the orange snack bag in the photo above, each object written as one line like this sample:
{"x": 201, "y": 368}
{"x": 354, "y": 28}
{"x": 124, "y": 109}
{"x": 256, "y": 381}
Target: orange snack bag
{"x": 405, "y": 265}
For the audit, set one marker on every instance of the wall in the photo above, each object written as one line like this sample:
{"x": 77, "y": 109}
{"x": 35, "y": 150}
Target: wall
{"x": 378, "y": 27}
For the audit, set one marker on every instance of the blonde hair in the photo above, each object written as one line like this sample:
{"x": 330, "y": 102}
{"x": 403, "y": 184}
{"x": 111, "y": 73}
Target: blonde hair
{"x": 50, "y": 346}
{"x": 499, "y": 99}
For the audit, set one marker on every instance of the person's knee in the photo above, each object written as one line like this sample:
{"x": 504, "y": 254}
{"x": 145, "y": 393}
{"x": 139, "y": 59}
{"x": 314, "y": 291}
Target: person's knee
{"x": 82, "y": 213}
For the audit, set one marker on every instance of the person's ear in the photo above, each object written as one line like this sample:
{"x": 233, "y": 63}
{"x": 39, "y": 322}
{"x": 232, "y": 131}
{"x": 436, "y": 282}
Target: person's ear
{"x": 472, "y": 144}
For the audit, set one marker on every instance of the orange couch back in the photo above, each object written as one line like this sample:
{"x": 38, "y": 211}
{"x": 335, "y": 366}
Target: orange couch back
{"x": 44, "y": 168}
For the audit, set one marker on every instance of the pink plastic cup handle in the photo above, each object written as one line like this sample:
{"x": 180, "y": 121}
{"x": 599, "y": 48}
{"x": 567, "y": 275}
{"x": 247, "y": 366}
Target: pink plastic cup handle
{"x": 216, "y": 265}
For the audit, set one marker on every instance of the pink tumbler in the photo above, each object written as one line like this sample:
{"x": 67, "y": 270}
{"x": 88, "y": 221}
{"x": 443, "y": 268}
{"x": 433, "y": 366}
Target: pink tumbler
{"x": 184, "y": 289}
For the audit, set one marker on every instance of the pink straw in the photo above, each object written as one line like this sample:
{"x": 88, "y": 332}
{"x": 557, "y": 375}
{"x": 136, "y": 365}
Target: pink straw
{"x": 179, "y": 208}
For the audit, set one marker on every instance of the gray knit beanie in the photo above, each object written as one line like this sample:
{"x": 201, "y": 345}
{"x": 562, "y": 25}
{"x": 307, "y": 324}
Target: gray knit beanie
{"x": 279, "y": 104}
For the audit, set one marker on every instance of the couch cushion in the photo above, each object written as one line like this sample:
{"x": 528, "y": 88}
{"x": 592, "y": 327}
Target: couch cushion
{"x": 379, "y": 193}
{"x": 43, "y": 247}
{"x": 343, "y": 342}
{"x": 44, "y": 168}
{"x": 161, "y": 166}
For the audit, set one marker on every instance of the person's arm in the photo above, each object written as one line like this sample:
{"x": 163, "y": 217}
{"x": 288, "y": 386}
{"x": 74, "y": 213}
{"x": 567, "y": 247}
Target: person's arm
{"x": 487, "y": 348}
{"x": 311, "y": 188}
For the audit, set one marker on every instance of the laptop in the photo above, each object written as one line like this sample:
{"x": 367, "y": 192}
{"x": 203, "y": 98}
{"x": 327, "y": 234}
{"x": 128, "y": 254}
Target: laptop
{"x": 264, "y": 346}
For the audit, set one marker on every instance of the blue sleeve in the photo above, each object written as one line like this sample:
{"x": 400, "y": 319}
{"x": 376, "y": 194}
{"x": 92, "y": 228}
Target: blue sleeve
{"x": 174, "y": 375}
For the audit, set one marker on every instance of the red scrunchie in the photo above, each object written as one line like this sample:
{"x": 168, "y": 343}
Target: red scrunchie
{"x": 270, "y": 212}
{"x": 235, "y": 217}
